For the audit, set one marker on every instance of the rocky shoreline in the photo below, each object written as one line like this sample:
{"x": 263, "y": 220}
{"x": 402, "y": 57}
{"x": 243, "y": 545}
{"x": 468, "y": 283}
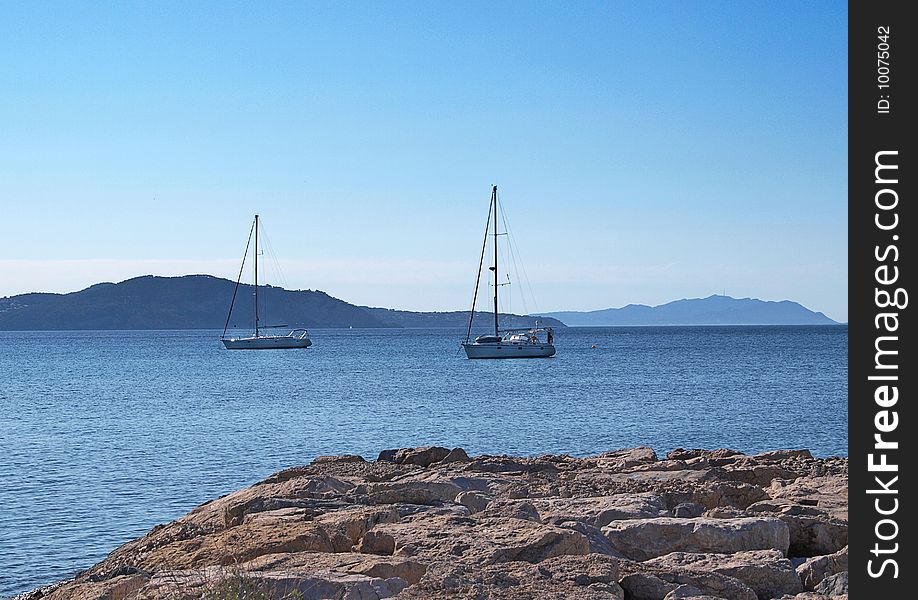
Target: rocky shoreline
{"x": 429, "y": 523}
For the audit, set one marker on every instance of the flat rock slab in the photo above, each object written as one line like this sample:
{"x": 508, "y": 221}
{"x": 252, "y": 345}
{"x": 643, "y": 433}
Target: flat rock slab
{"x": 648, "y": 538}
{"x": 476, "y": 541}
{"x": 767, "y": 572}
{"x": 306, "y": 563}
{"x": 625, "y": 459}
{"x": 233, "y": 583}
{"x": 586, "y": 577}
{"x": 651, "y": 583}
{"x": 599, "y": 511}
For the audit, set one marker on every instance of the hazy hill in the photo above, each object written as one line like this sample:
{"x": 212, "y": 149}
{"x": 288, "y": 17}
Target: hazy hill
{"x": 484, "y": 321}
{"x": 200, "y": 302}
{"x": 713, "y": 310}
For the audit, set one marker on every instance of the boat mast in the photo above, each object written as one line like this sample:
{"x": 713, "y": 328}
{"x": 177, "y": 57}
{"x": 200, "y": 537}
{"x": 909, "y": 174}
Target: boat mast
{"x": 256, "y": 275}
{"x": 484, "y": 250}
{"x": 245, "y": 254}
{"x": 494, "y": 200}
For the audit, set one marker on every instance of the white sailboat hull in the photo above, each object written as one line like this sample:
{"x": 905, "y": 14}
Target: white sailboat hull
{"x": 266, "y": 342}
{"x": 509, "y": 350}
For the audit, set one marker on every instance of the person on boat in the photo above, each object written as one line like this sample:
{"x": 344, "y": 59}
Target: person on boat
{"x": 551, "y": 338}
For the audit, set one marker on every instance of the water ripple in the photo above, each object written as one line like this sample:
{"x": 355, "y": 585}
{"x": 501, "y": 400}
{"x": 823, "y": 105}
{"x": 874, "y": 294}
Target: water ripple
{"x": 105, "y": 434}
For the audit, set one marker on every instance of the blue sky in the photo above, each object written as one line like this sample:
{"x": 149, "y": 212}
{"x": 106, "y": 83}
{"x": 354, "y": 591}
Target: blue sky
{"x": 645, "y": 151}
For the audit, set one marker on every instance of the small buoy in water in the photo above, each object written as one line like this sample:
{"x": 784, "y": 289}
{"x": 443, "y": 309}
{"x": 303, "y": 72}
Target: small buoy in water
{"x": 594, "y": 346}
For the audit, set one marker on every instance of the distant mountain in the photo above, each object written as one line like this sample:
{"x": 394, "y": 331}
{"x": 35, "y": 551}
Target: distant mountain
{"x": 201, "y": 302}
{"x": 483, "y": 320}
{"x": 713, "y": 310}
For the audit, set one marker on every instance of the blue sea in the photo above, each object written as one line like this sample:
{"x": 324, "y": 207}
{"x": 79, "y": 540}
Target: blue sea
{"x": 106, "y": 434}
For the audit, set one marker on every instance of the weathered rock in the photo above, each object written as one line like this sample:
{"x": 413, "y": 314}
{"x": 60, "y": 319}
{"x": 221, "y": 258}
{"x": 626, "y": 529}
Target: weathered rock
{"x": 816, "y": 517}
{"x": 646, "y": 582}
{"x": 693, "y": 464}
{"x": 587, "y": 577}
{"x": 410, "y": 512}
{"x": 297, "y": 490}
{"x": 684, "y": 592}
{"x": 538, "y": 544}
{"x": 813, "y": 536}
{"x": 355, "y": 522}
{"x": 732, "y": 494}
{"x": 644, "y": 586}
{"x": 474, "y": 501}
{"x": 828, "y": 492}
{"x": 430, "y": 523}
{"x": 716, "y": 457}
{"x": 69, "y": 588}
{"x": 649, "y": 538}
{"x": 517, "y": 492}
{"x": 377, "y": 542}
{"x": 620, "y": 460}
{"x": 408, "y": 570}
{"x": 235, "y": 514}
{"x": 344, "y": 458}
{"x": 116, "y": 572}
{"x": 423, "y": 456}
{"x": 747, "y": 470}
{"x": 581, "y": 570}
{"x": 511, "y": 509}
{"x": 463, "y": 482}
{"x": 456, "y": 455}
{"x": 815, "y": 569}
{"x": 711, "y": 585}
{"x": 301, "y": 563}
{"x": 781, "y": 507}
{"x": 599, "y": 543}
{"x": 688, "y": 510}
{"x": 509, "y": 464}
{"x": 834, "y": 585}
{"x": 600, "y": 511}
{"x": 682, "y": 482}
{"x": 725, "y": 512}
{"x": 117, "y": 587}
{"x": 223, "y": 583}
{"x": 388, "y": 455}
{"x": 767, "y": 572}
{"x": 412, "y": 492}
{"x": 783, "y": 455}
{"x": 477, "y": 541}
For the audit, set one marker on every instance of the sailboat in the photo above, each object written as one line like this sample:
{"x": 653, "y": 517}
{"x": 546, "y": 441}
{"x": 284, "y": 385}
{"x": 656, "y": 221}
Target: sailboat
{"x": 297, "y": 338}
{"x": 508, "y": 343}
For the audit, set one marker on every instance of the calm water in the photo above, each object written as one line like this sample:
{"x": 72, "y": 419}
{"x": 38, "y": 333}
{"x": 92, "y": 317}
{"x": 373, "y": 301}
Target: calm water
{"x": 105, "y": 434}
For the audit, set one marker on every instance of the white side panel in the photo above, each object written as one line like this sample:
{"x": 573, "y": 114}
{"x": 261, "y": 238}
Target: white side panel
{"x": 266, "y": 343}
{"x": 509, "y": 350}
